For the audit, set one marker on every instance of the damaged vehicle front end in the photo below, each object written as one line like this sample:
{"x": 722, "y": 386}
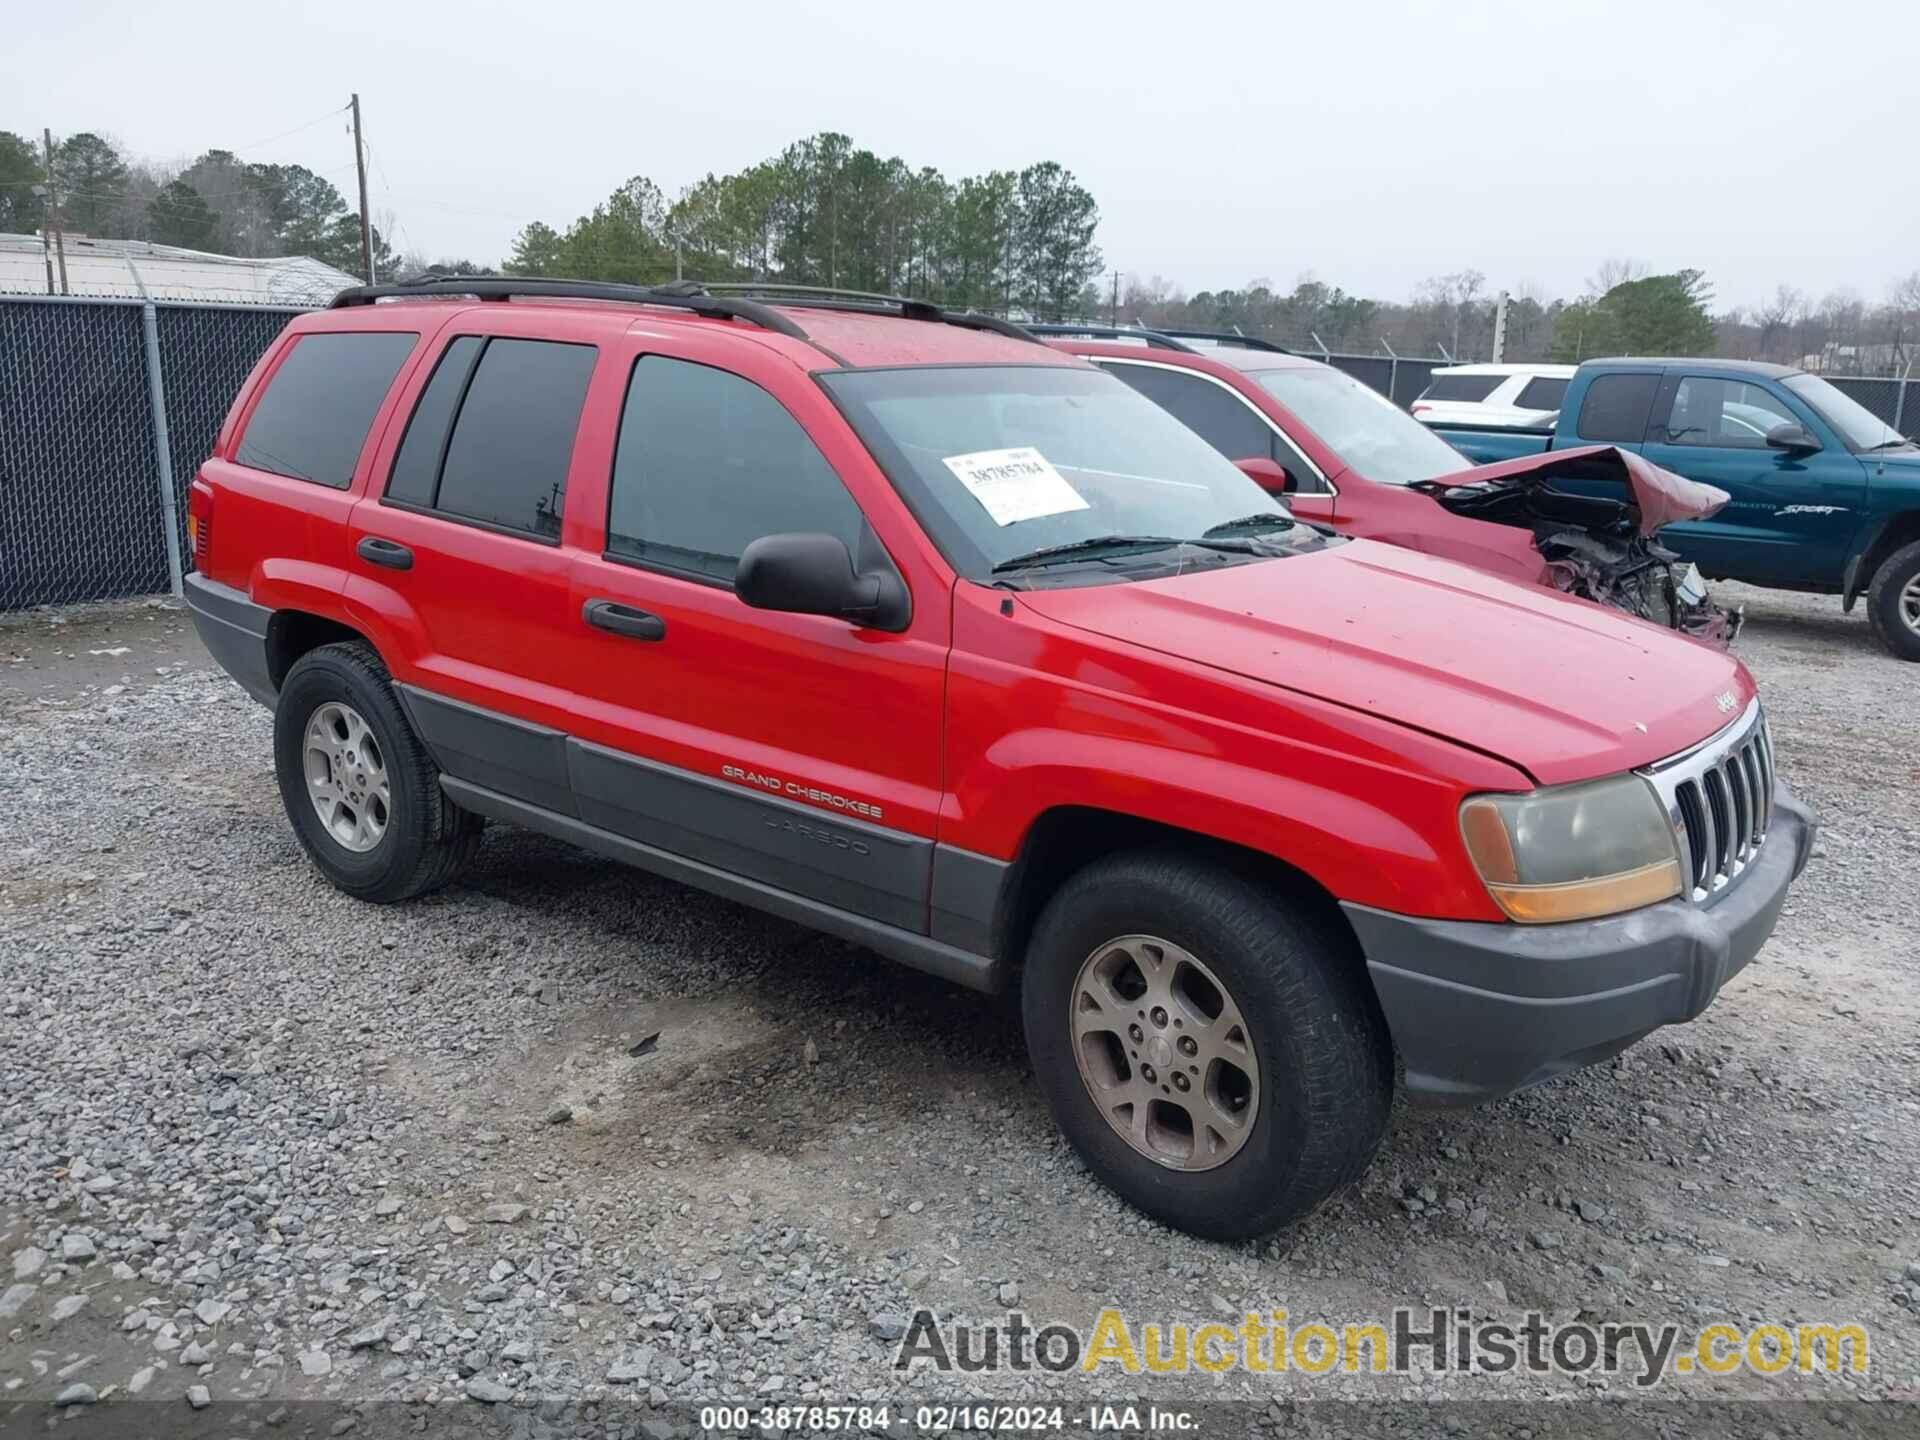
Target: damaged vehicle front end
{"x": 1595, "y": 515}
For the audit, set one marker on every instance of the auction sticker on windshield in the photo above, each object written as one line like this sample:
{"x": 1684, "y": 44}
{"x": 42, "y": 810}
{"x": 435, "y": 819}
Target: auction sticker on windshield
{"x": 1015, "y": 484}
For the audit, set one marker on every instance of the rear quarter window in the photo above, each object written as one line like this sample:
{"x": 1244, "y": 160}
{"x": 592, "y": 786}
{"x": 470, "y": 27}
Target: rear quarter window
{"x": 1462, "y": 387}
{"x": 1616, "y": 407}
{"x": 313, "y": 419}
{"x": 1543, "y": 393}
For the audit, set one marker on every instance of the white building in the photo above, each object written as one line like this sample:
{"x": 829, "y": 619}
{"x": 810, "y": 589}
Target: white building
{"x": 164, "y": 272}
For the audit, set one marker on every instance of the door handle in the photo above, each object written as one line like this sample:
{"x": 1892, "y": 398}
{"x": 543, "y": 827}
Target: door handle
{"x": 624, "y": 620}
{"x": 389, "y": 553}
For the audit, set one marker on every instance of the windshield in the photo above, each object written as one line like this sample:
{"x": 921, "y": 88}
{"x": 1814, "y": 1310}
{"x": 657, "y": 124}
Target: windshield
{"x": 1001, "y": 462}
{"x": 1360, "y": 425}
{"x": 1859, "y": 427}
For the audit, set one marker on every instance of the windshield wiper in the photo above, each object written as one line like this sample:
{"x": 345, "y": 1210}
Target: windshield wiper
{"x": 1083, "y": 549}
{"x": 1265, "y": 520}
{"x": 1899, "y": 442}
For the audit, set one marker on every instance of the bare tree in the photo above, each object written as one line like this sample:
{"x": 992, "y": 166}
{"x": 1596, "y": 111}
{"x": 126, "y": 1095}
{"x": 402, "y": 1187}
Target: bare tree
{"x": 1843, "y": 315}
{"x": 1451, "y": 300}
{"x": 1775, "y": 318}
{"x": 1615, "y": 270}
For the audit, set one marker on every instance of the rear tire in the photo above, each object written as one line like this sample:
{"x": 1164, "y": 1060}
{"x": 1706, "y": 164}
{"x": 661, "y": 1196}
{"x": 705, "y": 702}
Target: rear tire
{"x": 1316, "y": 1080}
{"x": 361, "y": 790}
{"x": 1893, "y": 602}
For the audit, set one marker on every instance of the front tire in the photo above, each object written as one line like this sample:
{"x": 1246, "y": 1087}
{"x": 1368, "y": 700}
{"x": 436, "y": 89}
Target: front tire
{"x": 1210, "y": 1047}
{"x": 1893, "y": 602}
{"x": 361, "y": 790}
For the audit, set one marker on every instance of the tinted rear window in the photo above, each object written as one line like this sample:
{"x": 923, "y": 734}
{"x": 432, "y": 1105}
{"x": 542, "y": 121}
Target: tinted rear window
{"x": 416, "y": 470}
{"x": 1543, "y": 393}
{"x": 1616, "y": 407}
{"x": 320, "y": 403}
{"x": 1462, "y": 387}
{"x": 507, "y": 461}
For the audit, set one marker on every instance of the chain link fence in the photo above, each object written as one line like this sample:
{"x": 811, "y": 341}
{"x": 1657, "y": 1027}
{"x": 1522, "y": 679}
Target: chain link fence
{"x": 89, "y": 387}
{"x": 1895, "y": 401}
{"x": 82, "y": 474}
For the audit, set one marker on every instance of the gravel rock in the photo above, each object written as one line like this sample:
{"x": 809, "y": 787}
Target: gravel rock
{"x": 78, "y": 1393}
{"x": 15, "y": 1298}
{"x": 212, "y": 1312}
{"x": 76, "y": 1248}
{"x": 66, "y": 1307}
{"x": 28, "y": 1262}
{"x": 199, "y": 1397}
{"x": 504, "y": 1214}
{"x": 315, "y": 1362}
{"x": 488, "y": 1392}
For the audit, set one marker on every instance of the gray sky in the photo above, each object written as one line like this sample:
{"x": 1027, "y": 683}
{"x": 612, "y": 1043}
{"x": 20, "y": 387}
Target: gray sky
{"x": 1372, "y": 144}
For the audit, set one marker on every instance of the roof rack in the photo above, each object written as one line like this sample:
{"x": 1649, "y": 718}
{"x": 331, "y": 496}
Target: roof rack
{"x": 692, "y": 295}
{"x": 680, "y": 295}
{"x": 1229, "y": 337}
{"x": 1153, "y": 339}
{"x": 868, "y": 302}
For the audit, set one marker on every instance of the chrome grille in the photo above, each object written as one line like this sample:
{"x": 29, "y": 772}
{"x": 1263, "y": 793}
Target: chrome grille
{"x": 1719, "y": 797}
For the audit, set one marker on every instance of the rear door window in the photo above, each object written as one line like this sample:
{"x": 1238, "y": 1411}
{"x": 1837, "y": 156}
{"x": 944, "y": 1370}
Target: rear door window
{"x": 313, "y": 419}
{"x": 1615, "y": 409}
{"x": 1543, "y": 392}
{"x": 416, "y": 470}
{"x": 1462, "y": 387}
{"x": 492, "y": 434}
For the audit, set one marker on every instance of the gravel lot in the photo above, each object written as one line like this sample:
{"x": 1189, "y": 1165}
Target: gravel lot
{"x": 259, "y": 1138}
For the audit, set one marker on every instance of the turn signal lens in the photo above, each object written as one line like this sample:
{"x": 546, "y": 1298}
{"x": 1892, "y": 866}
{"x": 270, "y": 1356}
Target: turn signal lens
{"x": 1573, "y": 852}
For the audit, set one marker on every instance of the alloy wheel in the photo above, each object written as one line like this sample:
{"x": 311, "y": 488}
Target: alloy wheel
{"x": 1910, "y": 605}
{"x": 1165, "y": 1052}
{"x": 347, "y": 776}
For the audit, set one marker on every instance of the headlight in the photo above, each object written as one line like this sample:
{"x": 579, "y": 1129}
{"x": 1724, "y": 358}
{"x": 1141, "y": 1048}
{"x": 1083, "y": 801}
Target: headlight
{"x": 1573, "y": 851}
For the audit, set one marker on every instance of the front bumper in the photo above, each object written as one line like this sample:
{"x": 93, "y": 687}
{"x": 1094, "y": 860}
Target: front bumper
{"x": 1481, "y": 1010}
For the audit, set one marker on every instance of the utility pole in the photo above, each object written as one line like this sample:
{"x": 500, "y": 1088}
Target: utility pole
{"x": 360, "y": 164}
{"x": 1500, "y": 329}
{"x": 53, "y": 215}
{"x": 1113, "y": 313}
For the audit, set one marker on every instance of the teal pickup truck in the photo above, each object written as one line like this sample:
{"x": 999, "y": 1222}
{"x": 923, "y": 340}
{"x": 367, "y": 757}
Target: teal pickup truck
{"x": 1826, "y": 495}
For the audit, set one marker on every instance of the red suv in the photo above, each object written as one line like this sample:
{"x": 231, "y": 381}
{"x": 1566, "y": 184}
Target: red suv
{"x": 1347, "y": 457}
{"x": 904, "y": 626}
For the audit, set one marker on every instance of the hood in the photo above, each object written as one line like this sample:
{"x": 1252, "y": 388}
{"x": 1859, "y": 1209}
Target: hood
{"x": 1659, "y": 497}
{"x": 1564, "y": 689}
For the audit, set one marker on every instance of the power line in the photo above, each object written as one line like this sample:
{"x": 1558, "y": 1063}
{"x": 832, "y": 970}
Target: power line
{"x": 307, "y": 125}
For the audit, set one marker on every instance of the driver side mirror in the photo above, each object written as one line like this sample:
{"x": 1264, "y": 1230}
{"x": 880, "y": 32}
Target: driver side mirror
{"x": 1269, "y": 475}
{"x": 814, "y": 575}
{"x": 1795, "y": 439}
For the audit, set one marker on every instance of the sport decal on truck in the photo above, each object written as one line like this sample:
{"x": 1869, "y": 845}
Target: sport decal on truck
{"x": 1811, "y": 510}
